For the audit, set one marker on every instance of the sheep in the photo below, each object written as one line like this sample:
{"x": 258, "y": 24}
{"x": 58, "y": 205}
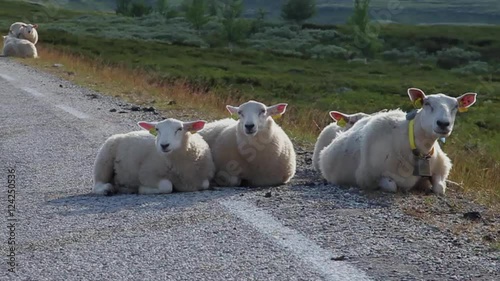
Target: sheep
{"x": 23, "y": 30}
{"x": 137, "y": 162}
{"x": 377, "y": 151}
{"x": 14, "y": 47}
{"x": 253, "y": 151}
{"x": 342, "y": 122}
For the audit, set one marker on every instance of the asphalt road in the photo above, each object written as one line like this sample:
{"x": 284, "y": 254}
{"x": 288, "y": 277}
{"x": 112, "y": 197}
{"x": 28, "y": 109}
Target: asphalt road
{"x": 50, "y": 131}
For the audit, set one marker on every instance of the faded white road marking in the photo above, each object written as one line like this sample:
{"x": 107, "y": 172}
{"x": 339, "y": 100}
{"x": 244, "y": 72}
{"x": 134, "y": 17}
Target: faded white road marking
{"x": 303, "y": 248}
{"x": 33, "y": 92}
{"x": 7, "y": 77}
{"x": 73, "y": 111}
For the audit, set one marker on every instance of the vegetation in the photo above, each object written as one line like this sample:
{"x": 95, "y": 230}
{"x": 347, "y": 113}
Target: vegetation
{"x": 196, "y": 13}
{"x": 298, "y": 10}
{"x": 312, "y": 67}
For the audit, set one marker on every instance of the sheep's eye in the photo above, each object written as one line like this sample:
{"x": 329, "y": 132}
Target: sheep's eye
{"x": 240, "y": 113}
{"x": 156, "y": 128}
{"x": 178, "y": 130}
{"x": 262, "y": 111}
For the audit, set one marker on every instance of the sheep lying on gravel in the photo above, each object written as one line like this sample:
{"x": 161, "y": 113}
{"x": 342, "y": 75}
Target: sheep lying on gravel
{"x": 14, "y": 47}
{"x": 342, "y": 122}
{"x": 378, "y": 152}
{"x": 23, "y": 30}
{"x": 135, "y": 162}
{"x": 253, "y": 151}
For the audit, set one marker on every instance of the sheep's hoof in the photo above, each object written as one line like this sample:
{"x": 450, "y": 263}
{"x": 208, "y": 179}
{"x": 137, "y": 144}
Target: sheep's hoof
{"x": 439, "y": 188}
{"x": 165, "y": 186}
{"x": 388, "y": 185}
{"x": 205, "y": 185}
{"x": 103, "y": 189}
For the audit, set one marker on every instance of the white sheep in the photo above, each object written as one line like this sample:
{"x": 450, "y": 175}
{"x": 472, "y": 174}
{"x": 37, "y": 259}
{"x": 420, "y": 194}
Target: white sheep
{"x": 23, "y": 30}
{"x": 377, "y": 151}
{"x": 15, "y": 47}
{"x": 342, "y": 122}
{"x": 254, "y": 151}
{"x": 136, "y": 162}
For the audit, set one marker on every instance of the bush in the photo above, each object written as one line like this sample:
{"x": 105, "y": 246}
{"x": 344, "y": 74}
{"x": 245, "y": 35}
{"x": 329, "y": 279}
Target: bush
{"x": 455, "y": 57}
{"x": 411, "y": 53}
{"x": 473, "y": 67}
{"x": 327, "y": 51}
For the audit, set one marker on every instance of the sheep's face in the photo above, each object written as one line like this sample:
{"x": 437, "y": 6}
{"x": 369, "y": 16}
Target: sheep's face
{"x": 438, "y": 111}
{"x": 27, "y": 29}
{"x": 347, "y": 120}
{"x": 254, "y": 115}
{"x": 170, "y": 133}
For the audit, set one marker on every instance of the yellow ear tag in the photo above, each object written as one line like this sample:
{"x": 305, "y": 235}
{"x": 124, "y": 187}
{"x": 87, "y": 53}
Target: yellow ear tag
{"x": 342, "y": 122}
{"x": 276, "y": 117}
{"x": 462, "y": 108}
{"x": 234, "y": 117}
{"x": 153, "y": 131}
{"x": 417, "y": 103}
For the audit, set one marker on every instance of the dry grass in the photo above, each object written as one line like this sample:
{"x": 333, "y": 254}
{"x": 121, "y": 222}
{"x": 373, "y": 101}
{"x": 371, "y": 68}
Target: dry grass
{"x": 146, "y": 88}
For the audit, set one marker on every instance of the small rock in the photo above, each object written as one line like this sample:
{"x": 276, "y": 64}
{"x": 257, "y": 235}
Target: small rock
{"x": 339, "y": 258}
{"x": 70, "y": 73}
{"x": 172, "y": 102}
{"x": 122, "y": 111}
{"x": 489, "y": 238}
{"x": 268, "y": 194}
{"x": 150, "y": 109}
{"x": 57, "y": 65}
{"x": 92, "y": 96}
{"x": 135, "y": 108}
{"x": 112, "y": 110}
{"x": 473, "y": 216}
{"x": 60, "y": 85}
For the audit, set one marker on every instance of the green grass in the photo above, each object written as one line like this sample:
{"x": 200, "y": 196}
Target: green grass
{"x": 313, "y": 84}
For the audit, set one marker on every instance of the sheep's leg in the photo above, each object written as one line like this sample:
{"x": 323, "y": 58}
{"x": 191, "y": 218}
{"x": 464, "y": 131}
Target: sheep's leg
{"x": 164, "y": 187}
{"x": 103, "y": 188}
{"x": 104, "y": 169}
{"x": 438, "y": 184}
{"x": 364, "y": 178}
{"x": 225, "y": 179}
{"x": 205, "y": 185}
{"x": 387, "y": 184}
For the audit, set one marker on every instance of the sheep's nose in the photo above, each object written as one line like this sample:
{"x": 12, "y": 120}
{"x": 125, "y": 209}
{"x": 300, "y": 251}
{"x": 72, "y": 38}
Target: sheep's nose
{"x": 164, "y": 146}
{"x": 443, "y": 124}
{"x": 249, "y": 126}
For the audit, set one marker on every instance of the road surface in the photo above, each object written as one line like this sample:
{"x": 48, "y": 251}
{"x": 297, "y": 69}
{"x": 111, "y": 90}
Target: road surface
{"x": 50, "y": 131}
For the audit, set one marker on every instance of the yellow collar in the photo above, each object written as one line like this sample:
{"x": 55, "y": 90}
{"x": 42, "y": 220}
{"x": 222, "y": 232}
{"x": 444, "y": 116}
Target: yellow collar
{"x": 413, "y": 146}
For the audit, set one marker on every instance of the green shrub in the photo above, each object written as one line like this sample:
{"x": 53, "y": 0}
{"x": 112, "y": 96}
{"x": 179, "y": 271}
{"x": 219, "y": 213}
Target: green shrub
{"x": 455, "y": 57}
{"x": 473, "y": 67}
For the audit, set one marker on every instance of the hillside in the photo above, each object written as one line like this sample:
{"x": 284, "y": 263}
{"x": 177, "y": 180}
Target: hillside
{"x": 338, "y": 11}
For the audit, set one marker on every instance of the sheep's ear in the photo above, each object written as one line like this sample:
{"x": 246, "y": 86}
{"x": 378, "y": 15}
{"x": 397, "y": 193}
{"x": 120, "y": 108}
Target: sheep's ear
{"x": 465, "y": 101}
{"x": 23, "y": 25}
{"x": 277, "y": 109}
{"x": 417, "y": 97}
{"x": 35, "y": 25}
{"x": 150, "y": 126}
{"x": 194, "y": 126}
{"x": 232, "y": 109}
{"x": 340, "y": 117}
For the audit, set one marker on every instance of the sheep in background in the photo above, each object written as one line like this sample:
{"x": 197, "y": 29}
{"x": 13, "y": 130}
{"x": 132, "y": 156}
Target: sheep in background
{"x": 14, "y": 47}
{"x": 139, "y": 162}
{"x": 253, "y": 151}
{"x": 342, "y": 123}
{"x": 378, "y": 152}
{"x": 23, "y": 30}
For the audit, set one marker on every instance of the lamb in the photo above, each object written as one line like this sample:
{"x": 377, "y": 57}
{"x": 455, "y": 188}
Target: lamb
{"x": 342, "y": 122}
{"x": 394, "y": 150}
{"x": 253, "y": 151}
{"x": 137, "y": 162}
{"x": 14, "y": 47}
{"x": 23, "y": 30}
